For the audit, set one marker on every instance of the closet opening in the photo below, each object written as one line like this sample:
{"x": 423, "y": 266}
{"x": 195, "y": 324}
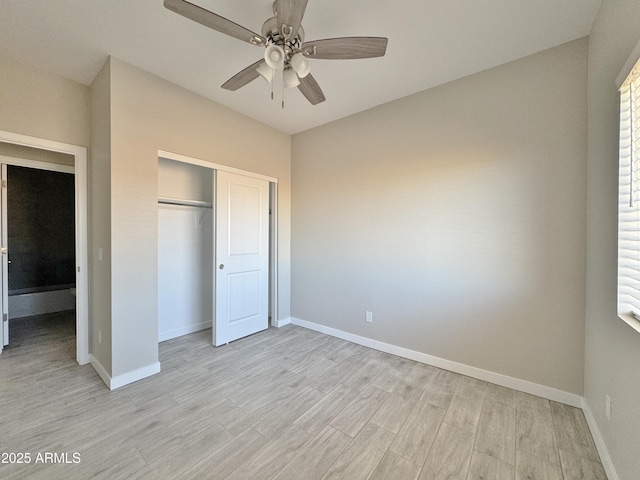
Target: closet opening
{"x": 217, "y": 252}
{"x": 185, "y": 246}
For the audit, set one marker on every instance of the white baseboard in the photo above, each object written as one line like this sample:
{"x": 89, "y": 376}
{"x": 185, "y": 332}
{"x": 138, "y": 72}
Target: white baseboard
{"x": 282, "y": 322}
{"x": 100, "y": 370}
{"x": 126, "y": 378}
{"x": 38, "y": 303}
{"x": 605, "y": 458}
{"x": 544, "y": 391}
{"x": 134, "y": 375}
{"x": 185, "y": 330}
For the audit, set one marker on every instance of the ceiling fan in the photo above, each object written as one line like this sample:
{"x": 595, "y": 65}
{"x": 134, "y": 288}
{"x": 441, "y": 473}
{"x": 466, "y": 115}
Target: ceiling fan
{"x": 285, "y": 48}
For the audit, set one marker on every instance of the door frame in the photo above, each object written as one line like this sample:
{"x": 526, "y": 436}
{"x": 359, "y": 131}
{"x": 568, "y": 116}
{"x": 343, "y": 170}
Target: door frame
{"x": 82, "y": 228}
{"x": 4, "y": 240}
{"x": 273, "y": 220}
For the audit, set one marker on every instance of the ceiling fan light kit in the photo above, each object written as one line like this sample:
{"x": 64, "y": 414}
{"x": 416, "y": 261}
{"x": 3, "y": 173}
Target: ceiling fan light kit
{"x": 274, "y": 56}
{"x": 290, "y": 78}
{"x": 266, "y": 71}
{"x": 285, "y": 48}
{"x": 300, "y": 64}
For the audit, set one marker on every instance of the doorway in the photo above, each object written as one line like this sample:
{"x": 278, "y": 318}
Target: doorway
{"x": 79, "y": 155}
{"x": 38, "y": 242}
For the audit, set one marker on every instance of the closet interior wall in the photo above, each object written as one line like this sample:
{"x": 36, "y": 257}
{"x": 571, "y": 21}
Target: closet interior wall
{"x": 185, "y": 248}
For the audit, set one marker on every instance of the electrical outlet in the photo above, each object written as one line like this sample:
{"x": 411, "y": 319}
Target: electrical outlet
{"x": 607, "y": 407}
{"x": 368, "y": 317}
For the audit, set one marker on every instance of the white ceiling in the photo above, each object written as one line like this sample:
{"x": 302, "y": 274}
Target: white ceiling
{"x": 430, "y": 42}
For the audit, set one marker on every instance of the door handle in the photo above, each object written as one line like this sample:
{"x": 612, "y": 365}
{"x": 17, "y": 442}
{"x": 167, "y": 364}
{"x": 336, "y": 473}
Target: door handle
{"x": 221, "y": 267}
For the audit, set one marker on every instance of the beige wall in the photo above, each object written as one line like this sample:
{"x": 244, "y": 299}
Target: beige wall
{"x": 612, "y": 347}
{"x": 43, "y": 105}
{"x": 457, "y": 216}
{"x": 30, "y": 153}
{"x": 149, "y": 114}
{"x": 100, "y": 219}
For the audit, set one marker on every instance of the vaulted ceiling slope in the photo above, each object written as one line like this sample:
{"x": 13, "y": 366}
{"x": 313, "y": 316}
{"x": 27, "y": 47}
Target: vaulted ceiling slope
{"x": 431, "y": 42}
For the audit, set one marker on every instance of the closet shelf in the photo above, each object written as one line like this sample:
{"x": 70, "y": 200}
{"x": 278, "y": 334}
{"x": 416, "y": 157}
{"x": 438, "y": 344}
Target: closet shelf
{"x": 184, "y": 203}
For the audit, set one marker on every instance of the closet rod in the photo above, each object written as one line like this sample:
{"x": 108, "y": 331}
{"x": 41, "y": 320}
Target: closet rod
{"x": 184, "y": 203}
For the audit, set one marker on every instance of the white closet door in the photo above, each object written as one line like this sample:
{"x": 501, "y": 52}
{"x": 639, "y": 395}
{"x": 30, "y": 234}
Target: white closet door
{"x": 242, "y": 256}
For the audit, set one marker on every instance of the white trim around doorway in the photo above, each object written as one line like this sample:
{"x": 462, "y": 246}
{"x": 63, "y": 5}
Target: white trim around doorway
{"x": 82, "y": 232}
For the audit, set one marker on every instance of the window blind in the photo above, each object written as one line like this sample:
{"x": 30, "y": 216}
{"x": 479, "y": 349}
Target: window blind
{"x": 629, "y": 196}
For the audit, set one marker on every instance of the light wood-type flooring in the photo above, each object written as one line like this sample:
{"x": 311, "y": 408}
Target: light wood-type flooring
{"x": 284, "y": 404}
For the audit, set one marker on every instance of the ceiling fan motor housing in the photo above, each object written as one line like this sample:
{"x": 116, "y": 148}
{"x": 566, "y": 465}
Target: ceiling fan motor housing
{"x": 274, "y": 37}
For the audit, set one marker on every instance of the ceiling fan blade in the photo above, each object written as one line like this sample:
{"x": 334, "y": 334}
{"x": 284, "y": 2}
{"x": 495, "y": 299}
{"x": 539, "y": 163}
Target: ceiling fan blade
{"x": 290, "y": 13}
{"x": 240, "y": 79}
{"x": 311, "y": 90}
{"x": 216, "y": 22}
{"x": 346, "y": 48}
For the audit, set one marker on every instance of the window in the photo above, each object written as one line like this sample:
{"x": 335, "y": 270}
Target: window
{"x": 629, "y": 193}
